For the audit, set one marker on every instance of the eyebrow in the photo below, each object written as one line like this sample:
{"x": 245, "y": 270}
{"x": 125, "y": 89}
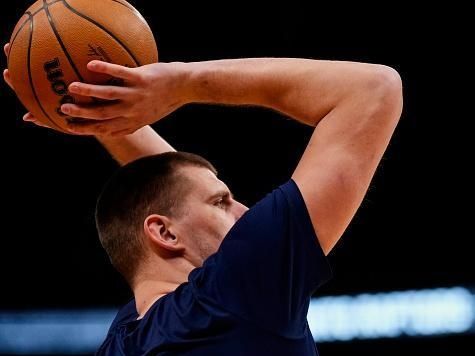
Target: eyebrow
{"x": 222, "y": 193}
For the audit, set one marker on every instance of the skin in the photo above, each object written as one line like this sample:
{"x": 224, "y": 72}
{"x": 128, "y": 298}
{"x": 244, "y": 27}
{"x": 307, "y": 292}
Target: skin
{"x": 353, "y": 107}
{"x": 178, "y": 245}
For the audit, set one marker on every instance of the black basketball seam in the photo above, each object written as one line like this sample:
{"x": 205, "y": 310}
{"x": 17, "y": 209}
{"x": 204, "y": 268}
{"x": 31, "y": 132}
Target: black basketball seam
{"x": 21, "y": 27}
{"x": 51, "y": 3}
{"x": 60, "y": 41}
{"x": 30, "y": 77}
{"x": 30, "y": 16}
{"x": 126, "y": 5}
{"x": 103, "y": 29}
{"x": 131, "y": 8}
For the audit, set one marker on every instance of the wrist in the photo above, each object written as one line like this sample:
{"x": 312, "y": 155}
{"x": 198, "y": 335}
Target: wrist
{"x": 185, "y": 81}
{"x": 194, "y": 79}
{"x": 228, "y": 81}
{"x": 120, "y": 139}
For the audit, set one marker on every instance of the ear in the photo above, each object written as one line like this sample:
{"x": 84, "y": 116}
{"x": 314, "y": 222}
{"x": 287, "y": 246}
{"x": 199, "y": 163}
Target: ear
{"x": 158, "y": 230}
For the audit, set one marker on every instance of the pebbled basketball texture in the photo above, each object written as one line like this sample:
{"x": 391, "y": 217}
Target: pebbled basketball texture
{"x": 55, "y": 39}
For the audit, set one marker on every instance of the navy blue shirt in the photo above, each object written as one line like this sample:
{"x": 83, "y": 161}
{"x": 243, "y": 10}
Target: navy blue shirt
{"x": 249, "y": 298}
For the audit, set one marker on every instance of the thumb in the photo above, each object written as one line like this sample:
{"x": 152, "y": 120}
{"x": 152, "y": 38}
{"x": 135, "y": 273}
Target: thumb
{"x": 6, "y": 49}
{"x": 7, "y": 78}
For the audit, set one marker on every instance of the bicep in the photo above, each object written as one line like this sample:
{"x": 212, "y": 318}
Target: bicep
{"x": 339, "y": 162}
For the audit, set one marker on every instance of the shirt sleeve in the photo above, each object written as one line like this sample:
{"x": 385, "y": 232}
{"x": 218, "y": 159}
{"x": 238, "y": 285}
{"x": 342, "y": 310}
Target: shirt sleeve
{"x": 268, "y": 265}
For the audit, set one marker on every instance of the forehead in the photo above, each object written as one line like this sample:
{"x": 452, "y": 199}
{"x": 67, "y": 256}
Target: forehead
{"x": 205, "y": 183}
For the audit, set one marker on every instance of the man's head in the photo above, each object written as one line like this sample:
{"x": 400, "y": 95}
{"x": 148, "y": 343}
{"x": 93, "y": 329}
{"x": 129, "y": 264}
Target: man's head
{"x": 169, "y": 205}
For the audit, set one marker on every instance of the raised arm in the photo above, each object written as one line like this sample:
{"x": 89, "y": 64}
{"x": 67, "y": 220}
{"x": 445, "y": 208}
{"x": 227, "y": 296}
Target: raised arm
{"x": 356, "y": 107}
{"x": 144, "y": 142}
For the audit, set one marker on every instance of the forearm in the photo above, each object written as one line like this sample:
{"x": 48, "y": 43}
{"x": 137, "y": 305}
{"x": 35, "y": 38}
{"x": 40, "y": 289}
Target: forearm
{"x": 144, "y": 142}
{"x": 304, "y": 89}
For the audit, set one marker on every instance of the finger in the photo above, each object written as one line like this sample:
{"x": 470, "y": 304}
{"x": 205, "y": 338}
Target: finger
{"x": 97, "y": 128}
{"x": 99, "y": 91}
{"x": 114, "y": 70}
{"x": 6, "y": 77}
{"x": 28, "y": 117}
{"x": 6, "y": 49}
{"x": 93, "y": 112}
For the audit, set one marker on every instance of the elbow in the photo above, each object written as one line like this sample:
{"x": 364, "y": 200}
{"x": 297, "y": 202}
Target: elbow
{"x": 385, "y": 91}
{"x": 391, "y": 84}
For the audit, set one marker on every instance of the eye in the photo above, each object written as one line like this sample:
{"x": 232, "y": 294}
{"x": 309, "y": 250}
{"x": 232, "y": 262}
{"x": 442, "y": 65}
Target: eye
{"x": 221, "y": 203}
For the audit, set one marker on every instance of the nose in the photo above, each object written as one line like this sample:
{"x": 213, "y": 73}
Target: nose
{"x": 239, "y": 209}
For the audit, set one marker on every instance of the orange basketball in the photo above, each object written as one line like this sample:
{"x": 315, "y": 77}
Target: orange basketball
{"x": 55, "y": 39}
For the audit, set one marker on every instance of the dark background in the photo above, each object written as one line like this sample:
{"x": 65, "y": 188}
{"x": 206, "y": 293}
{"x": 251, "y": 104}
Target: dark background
{"x": 412, "y": 231}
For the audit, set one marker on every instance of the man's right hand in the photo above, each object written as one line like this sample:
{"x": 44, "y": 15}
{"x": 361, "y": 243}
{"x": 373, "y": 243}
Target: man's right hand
{"x": 149, "y": 93}
{"x": 6, "y": 76}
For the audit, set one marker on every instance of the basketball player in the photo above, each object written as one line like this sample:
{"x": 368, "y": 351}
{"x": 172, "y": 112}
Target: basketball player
{"x": 209, "y": 275}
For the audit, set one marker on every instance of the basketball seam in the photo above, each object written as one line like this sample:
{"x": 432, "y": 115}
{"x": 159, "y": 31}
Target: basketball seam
{"x": 24, "y": 23}
{"x": 30, "y": 77}
{"x": 60, "y": 41}
{"x": 103, "y": 29}
{"x": 131, "y": 8}
{"x": 51, "y": 3}
{"x": 126, "y": 5}
{"x": 34, "y": 13}
{"x": 30, "y": 16}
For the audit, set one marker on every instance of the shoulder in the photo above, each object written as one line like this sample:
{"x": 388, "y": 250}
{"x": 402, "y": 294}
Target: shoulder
{"x": 126, "y": 313}
{"x": 282, "y": 199}
{"x": 282, "y": 206}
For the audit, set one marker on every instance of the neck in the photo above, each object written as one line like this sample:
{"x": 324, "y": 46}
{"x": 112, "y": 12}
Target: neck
{"x": 158, "y": 282}
{"x": 149, "y": 291}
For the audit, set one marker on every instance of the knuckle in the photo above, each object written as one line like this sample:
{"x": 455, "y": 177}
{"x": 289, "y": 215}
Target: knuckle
{"x": 86, "y": 90}
{"x": 120, "y": 72}
{"x": 71, "y": 128}
{"x": 124, "y": 71}
{"x": 140, "y": 97}
{"x": 129, "y": 108}
{"x": 141, "y": 79}
{"x": 74, "y": 111}
{"x": 102, "y": 113}
{"x": 111, "y": 93}
{"x": 101, "y": 129}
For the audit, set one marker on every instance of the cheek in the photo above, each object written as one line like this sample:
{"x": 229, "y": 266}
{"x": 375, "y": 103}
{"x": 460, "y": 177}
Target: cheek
{"x": 211, "y": 222}
{"x": 226, "y": 224}
{"x": 217, "y": 225}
